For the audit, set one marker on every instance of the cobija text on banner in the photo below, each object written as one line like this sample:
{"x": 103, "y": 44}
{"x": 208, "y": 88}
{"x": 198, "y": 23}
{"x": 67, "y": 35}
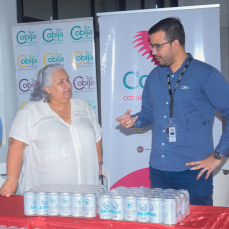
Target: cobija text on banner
{"x": 67, "y": 42}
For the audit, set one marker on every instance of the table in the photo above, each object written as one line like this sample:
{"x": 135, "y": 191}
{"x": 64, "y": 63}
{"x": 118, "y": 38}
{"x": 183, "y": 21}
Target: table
{"x": 12, "y": 214}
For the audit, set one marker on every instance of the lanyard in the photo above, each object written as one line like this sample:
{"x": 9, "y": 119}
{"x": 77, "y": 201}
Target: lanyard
{"x": 171, "y": 105}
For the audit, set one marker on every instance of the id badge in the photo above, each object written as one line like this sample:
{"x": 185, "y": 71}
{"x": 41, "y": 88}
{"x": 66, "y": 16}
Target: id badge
{"x": 171, "y": 131}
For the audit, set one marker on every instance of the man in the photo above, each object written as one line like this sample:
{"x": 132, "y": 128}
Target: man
{"x": 181, "y": 94}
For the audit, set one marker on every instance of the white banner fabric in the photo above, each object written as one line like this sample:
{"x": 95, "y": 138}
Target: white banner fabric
{"x": 67, "y": 42}
{"x": 126, "y": 61}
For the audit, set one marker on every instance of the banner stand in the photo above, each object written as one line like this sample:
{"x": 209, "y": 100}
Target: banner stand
{"x": 67, "y": 42}
{"x": 126, "y": 61}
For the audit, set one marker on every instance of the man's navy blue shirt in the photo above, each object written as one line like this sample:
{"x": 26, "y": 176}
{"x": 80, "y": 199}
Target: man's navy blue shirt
{"x": 201, "y": 90}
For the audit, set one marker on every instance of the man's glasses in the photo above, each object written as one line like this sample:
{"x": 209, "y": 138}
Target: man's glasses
{"x": 156, "y": 47}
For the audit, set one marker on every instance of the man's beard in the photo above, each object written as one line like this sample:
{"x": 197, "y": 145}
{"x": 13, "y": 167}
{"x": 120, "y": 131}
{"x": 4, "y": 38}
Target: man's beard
{"x": 165, "y": 63}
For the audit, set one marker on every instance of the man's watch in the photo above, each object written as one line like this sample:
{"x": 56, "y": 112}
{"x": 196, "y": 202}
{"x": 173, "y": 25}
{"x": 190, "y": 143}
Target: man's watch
{"x": 217, "y": 155}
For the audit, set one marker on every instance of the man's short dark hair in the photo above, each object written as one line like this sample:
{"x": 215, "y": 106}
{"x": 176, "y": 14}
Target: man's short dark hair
{"x": 172, "y": 27}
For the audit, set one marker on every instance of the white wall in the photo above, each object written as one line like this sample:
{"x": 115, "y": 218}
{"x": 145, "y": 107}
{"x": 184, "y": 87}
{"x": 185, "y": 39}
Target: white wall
{"x": 8, "y": 96}
{"x": 224, "y": 31}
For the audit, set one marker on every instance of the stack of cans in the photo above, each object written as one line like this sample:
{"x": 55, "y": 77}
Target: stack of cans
{"x": 168, "y": 206}
{"x": 63, "y": 200}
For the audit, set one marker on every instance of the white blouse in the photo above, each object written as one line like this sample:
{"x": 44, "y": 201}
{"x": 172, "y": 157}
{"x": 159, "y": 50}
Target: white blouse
{"x": 57, "y": 153}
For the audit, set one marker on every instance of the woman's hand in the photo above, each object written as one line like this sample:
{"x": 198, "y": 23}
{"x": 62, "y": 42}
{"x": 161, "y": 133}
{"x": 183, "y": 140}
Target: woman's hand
{"x": 13, "y": 165}
{"x": 8, "y": 188}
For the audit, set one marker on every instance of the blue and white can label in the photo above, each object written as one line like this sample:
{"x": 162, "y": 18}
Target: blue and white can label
{"x": 65, "y": 204}
{"x": 130, "y": 213}
{"x": 53, "y": 203}
{"x": 117, "y": 212}
{"x": 41, "y": 203}
{"x": 89, "y": 205}
{"x": 156, "y": 210}
{"x": 77, "y": 204}
{"x": 29, "y": 203}
{"x": 143, "y": 209}
{"x": 105, "y": 206}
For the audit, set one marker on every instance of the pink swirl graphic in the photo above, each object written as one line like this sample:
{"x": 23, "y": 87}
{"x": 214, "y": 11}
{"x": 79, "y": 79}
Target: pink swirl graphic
{"x": 144, "y": 41}
{"x": 137, "y": 178}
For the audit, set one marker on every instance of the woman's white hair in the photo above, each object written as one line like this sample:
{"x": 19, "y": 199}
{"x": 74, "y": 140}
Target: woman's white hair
{"x": 44, "y": 78}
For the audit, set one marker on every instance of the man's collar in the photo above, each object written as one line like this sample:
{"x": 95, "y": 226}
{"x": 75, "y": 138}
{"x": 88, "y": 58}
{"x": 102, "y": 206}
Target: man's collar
{"x": 182, "y": 66}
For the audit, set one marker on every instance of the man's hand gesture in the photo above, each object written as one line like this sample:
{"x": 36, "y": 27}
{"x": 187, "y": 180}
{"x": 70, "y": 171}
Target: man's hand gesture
{"x": 126, "y": 120}
{"x": 207, "y": 164}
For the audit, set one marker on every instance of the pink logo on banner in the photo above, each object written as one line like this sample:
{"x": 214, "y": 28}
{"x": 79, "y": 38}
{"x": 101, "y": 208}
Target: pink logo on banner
{"x": 137, "y": 178}
{"x": 144, "y": 41}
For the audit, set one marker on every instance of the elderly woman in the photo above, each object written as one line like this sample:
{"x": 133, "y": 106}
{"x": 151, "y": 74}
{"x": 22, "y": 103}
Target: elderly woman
{"x": 54, "y": 139}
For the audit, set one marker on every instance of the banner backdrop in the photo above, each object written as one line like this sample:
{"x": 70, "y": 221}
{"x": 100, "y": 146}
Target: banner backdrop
{"x": 126, "y": 61}
{"x": 67, "y": 42}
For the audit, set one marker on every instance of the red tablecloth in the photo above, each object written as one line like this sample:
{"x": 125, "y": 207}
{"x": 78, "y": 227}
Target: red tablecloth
{"x": 12, "y": 214}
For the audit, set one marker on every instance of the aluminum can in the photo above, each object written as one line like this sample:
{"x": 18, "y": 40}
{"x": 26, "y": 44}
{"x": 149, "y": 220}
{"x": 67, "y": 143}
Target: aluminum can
{"x": 65, "y": 203}
{"x": 77, "y": 204}
{"x": 178, "y": 212}
{"x": 139, "y": 191}
{"x": 90, "y": 186}
{"x": 53, "y": 203}
{"x": 152, "y": 192}
{"x": 156, "y": 209}
{"x": 105, "y": 206}
{"x": 121, "y": 188}
{"x": 104, "y": 188}
{"x": 157, "y": 189}
{"x": 122, "y": 193}
{"x": 56, "y": 185}
{"x": 89, "y": 207}
{"x": 187, "y": 201}
{"x": 169, "y": 211}
{"x": 117, "y": 212}
{"x": 97, "y": 193}
{"x": 110, "y": 193}
{"x": 29, "y": 203}
{"x": 101, "y": 191}
{"x": 41, "y": 203}
{"x": 165, "y": 191}
{"x": 130, "y": 202}
{"x": 170, "y": 190}
{"x": 44, "y": 185}
{"x": 99, "y": 186}
{"x": 133, "y": 189}
{"x": 163, "y": 195}
{"x": 146, "y": 189}
{"x": 182, "y": 205}
{"x": 143, "y": 208}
